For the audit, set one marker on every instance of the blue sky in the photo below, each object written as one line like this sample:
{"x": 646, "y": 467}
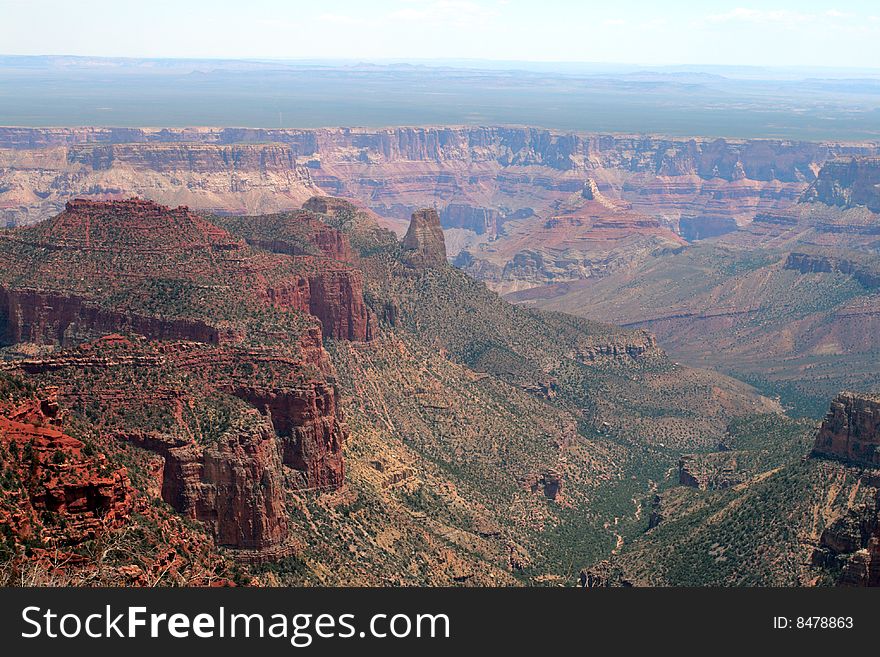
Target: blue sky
{"x": 836, "y": 33}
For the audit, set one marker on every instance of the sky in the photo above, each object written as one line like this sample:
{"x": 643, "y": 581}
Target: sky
{"x": 836, "y": 33}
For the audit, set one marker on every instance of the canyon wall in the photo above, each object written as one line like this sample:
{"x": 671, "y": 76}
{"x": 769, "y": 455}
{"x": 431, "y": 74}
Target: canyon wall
{"x": 235, "y": 486}
{"x": 479, "y": 220}
{"x": 332, "y": 294}
{"x": 813, "y": 263}
{"x": 47, "y": 318}
{"x": 308, "y": 421}
{"x": 848, "y": 182}
{"x": 288, "y": 437}
{"x": 490, "y": 170}
{"x": 762, "y": 160}
{"x": 244, "y": 178}
{"x": 336, "y": 297}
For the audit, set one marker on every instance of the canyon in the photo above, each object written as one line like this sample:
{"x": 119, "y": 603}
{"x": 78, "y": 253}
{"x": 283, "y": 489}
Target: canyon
{"x": 818, "y": 511}
{"x": 787, "y": 302}
{"x": 486, "y": 174}
{"x": 289, "y": 435}
{"x": 415, "y": 384}
{"x": 303, "y": 386}
{"x": 495, "y": 188}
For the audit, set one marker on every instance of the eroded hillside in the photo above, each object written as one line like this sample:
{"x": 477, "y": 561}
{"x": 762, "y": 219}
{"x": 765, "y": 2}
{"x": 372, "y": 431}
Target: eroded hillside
{"x": 783, "y": 515}
{"x": 788, "y": 302}
{"x": 318, "y": 405}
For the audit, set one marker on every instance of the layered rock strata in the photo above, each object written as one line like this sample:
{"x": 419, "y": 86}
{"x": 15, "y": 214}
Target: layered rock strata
{"x": 235, "y": 487}
{"x": 424, "y": 245}
{"x": 851, "y": 430}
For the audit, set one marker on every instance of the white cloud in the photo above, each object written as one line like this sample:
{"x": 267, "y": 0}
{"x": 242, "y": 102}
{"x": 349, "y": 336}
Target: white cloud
{"x": 744, "y": 14}
{"x": 613, "y": 22}
{"x": 339, "y": 19}
{"x": 653, "y": 23}
{"x": 457, "y": 13}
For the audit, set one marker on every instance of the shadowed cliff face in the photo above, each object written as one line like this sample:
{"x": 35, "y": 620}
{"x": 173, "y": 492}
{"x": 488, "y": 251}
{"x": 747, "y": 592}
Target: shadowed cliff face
{"x": 848, "y": 183}
{"x": 865, "y": 272}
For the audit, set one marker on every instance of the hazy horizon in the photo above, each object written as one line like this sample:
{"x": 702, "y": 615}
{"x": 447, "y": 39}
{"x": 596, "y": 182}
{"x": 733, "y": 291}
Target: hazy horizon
{"x": 733, "y": 71}
{"x": 784, "y": 33}
{"x": 676, "y": 101}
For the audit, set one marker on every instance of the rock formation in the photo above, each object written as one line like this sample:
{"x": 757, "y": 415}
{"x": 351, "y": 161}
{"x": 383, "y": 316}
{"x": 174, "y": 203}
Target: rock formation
{"x": 850, "y": 547}
{"x": 231, "y": 178}
{"x": 308, "y": 422}
{"x": 424, "y": 245}
{"x": 851, "y": 430}
{"x": 816, "y": 263}
{"x": 724, "y": 158}
{"x": 235, "y": 487}
{"x": 211, "y": 319}
{"x": 847, "y": 182}
{"x": 232, "y": 479}
{"x": 292, "y": 233}
{"x": 460, "y": 396}
{"x": 549, "y": 484}
{"x": 64, "y": 492}
{"x": 336, "y": 297}
{"x": 119, "y": 243}
{"x": 397, "y": 170}
{"x": 863, "y": 568}
{"x": 710, "y": 471}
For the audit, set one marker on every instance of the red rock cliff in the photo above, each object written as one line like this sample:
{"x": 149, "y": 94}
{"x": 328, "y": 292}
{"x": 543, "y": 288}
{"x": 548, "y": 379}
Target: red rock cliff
{"x": 332, "y": 294}
{"x": 235, "y": 487}
{"x": 47, "y": 318}
{"x": 336, "y": 297}
{"x": 309, "y": 423}
{"x": 423, "y": 244}
{"x": 57, "y": 476}
{"x": 851, "y": 430}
